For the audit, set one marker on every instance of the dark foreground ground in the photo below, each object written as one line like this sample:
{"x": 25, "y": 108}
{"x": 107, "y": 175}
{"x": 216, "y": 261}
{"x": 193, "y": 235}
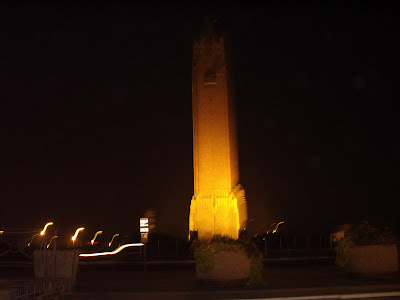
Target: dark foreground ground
{"x": 177, "y": 280}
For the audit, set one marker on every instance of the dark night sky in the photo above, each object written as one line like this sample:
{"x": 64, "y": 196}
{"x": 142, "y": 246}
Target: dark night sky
{"x": 96, "y": 113}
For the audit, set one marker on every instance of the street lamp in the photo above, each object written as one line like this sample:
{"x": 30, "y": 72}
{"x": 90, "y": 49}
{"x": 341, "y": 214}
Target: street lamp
{"x": 43, "y": 232}
{"x": 32, "y": 239}
{"x": 45, "y": 228}
{"x": 247, "y": 223}
{"x": 95, "y": 236}
{"x": 115, "y": 235}
{"x": 76, "y": 234}
{"x": 270, "y": 228}
{"x": 277, "y": 225}
{"x": 54, "y": 237}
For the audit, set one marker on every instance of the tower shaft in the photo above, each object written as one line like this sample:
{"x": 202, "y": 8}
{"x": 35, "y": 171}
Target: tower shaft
{"x": 218, "y": 205}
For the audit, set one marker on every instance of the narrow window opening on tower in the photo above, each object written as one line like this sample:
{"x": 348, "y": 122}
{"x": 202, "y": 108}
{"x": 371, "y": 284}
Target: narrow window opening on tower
{"x": 210, "y": 77}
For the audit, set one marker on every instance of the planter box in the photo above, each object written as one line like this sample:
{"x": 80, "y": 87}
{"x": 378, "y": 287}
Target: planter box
{"x": 64, "y": 265}
{"x": 230, "y": 269}
{"x": 373, "y": 259}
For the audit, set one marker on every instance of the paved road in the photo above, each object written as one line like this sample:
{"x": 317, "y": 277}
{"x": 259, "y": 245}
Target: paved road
{"x": 178, "y": 281}
{"x": 169, "y": 281}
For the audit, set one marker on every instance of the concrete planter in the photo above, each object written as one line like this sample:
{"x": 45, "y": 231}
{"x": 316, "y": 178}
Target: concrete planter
{"x": 63, "y": 265}
{"x": 230, "y": 269}
{"x": 373, "y": 259}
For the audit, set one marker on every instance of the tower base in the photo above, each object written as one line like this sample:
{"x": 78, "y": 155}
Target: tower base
{"x": 218, "y": 214}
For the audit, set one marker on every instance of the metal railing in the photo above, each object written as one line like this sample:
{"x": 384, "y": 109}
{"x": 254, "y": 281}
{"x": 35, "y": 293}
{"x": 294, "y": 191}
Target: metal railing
{"x": 39, "y": 289}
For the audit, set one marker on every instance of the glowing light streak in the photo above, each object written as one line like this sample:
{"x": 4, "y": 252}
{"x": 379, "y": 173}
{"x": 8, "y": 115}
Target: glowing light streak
{"x": 119, "y": 249}
{"x": 277, "y": 225}
{"x": 115, "y": 235}
{"x": 95, "y": 236}
{"x": 45, "y": 227}
{"x": 76, "y": 233}
{"x": 270, "y": 228}
{"x": 32, "y": 239}
{"x": 1, "y": 231}
{"x": 54, "y": 237}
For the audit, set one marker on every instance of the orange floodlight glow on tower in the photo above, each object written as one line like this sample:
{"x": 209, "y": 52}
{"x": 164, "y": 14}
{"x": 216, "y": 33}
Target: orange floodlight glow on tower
{"x": 95, "y": 236}
{"x": 45, "y": 228}
{"x": 119, "y": 249}
{"x": 218, "y": 205}
{"x": 115, "y": 235}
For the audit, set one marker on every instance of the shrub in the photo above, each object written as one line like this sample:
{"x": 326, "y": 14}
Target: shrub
{"x": 205, "y": 251}
{"x": 256, "y": 268}
{"x": 363, "y": 234}
{"x": 342, "y": 250}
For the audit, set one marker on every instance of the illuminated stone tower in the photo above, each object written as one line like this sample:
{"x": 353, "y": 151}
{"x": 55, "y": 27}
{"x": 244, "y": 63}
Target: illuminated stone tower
{"x": 218, "y": 205}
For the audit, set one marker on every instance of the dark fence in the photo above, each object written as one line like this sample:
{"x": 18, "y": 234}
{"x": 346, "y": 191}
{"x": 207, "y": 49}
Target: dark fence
{"x": 272, "y": 246}
{"x": 291, "y": 245}
{"x": 37, "y": 289}
{"x": 164, "y": 247}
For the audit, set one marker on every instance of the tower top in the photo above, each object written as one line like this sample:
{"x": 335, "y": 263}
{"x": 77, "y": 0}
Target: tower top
{"x": 210, "y": 29}
{"x": 209, "y": 25}
{"x": 211, "y": 34}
